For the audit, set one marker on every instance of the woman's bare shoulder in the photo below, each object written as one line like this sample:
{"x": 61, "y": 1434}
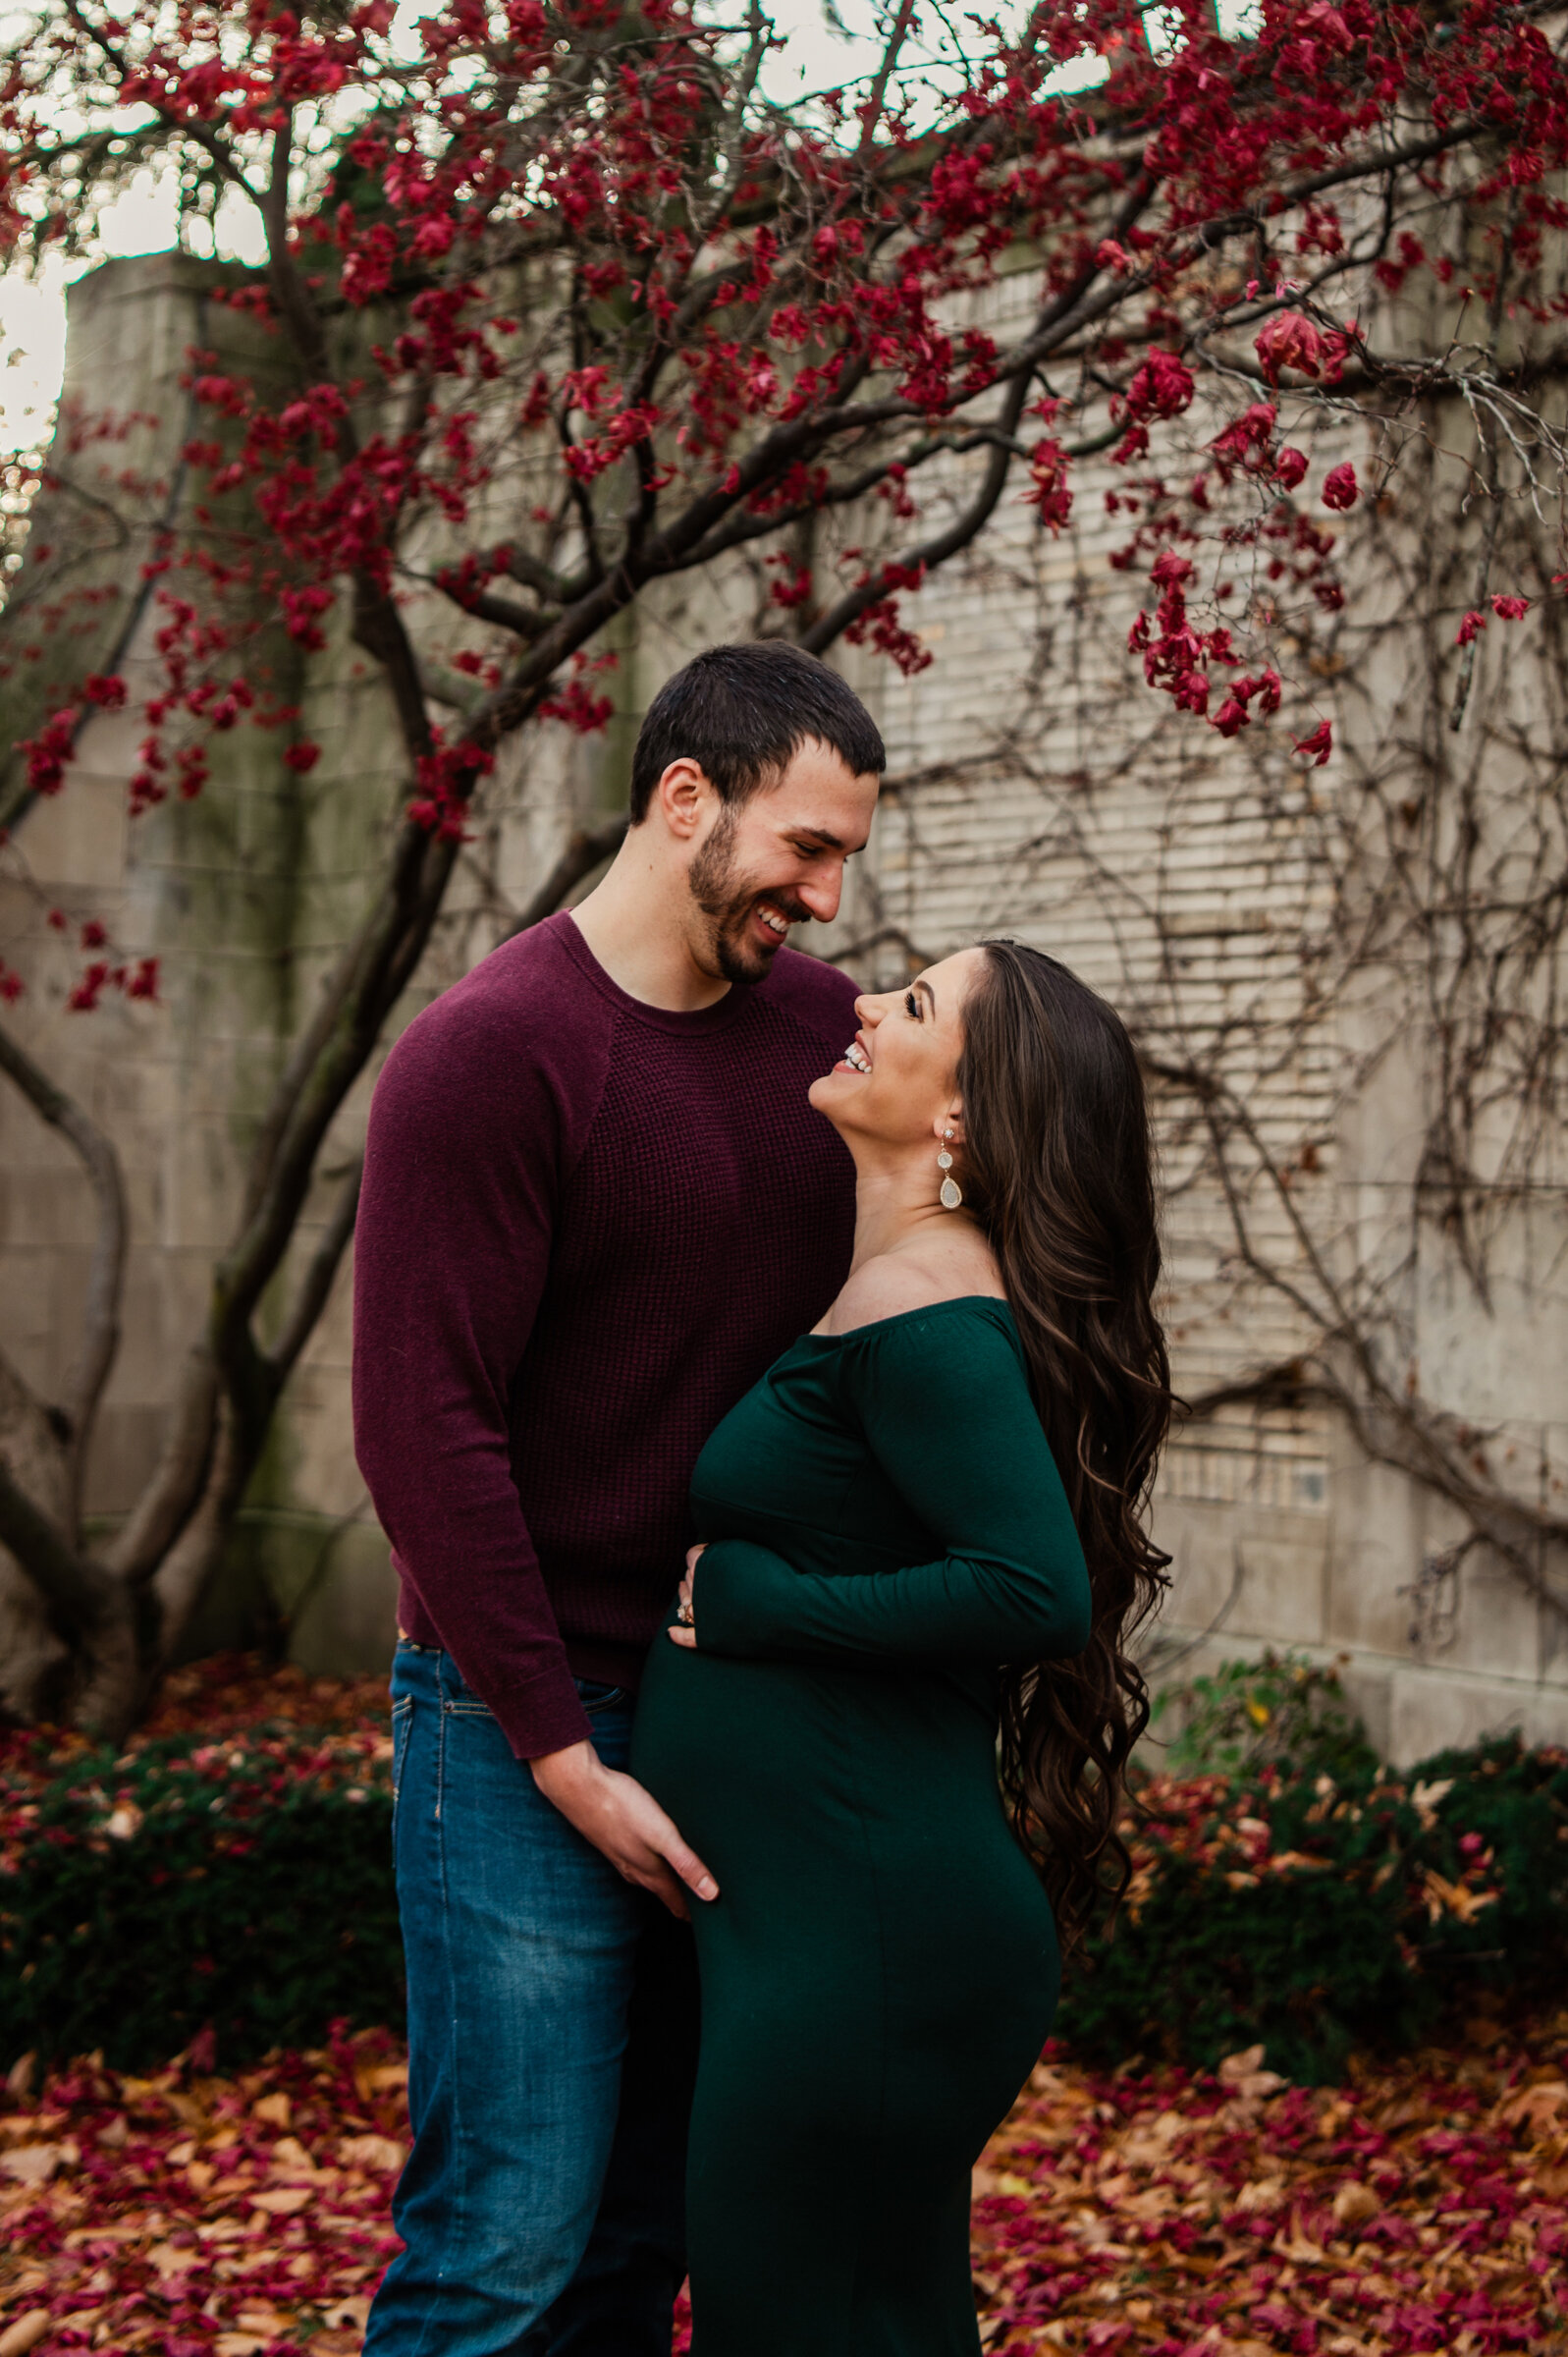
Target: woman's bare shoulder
{"x": 893, "y": 1283}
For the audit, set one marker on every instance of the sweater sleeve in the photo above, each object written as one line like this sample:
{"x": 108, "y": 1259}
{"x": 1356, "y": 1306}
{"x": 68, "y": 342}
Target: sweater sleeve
{"x": 451, "y": 1248}
{"x": 946, "y": 1411}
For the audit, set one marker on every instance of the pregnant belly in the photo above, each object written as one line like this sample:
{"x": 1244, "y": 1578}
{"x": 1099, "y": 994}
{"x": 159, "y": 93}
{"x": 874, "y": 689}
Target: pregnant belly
{"x": 855, "y": 1806}
{"x": 754, "y": 1756}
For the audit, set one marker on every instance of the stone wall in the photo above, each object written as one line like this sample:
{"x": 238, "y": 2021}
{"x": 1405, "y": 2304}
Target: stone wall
{"x": 1036, "y": 790}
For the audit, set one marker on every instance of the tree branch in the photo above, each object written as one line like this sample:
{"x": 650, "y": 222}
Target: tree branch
{"x": 100, "y": 1317}
{"x": 318, "y": 1277}
{"x": 80, "y": 1590}
{"x": 583, "y": 855}
{"x": 941, "y": 545}
{"x": 166, "y": 1499}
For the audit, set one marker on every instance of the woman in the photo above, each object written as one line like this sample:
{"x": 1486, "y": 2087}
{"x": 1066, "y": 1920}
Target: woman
{"x": 920, "y": 1526}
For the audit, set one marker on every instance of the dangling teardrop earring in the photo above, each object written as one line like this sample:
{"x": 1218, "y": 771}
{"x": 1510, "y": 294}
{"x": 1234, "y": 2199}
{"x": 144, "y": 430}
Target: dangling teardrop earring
{"x": 952, "y": 1194}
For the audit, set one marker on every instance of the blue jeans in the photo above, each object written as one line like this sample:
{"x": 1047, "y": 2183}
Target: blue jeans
{"x": 552, "y": 2044}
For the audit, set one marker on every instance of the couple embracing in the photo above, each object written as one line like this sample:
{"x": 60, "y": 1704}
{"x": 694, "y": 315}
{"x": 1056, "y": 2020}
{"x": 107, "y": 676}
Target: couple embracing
{"x": 675, "y": 1249}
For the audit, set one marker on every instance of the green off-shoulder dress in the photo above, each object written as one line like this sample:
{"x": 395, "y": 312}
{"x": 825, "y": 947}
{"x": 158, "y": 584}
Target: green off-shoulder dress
{"x": 886, "y": 1527}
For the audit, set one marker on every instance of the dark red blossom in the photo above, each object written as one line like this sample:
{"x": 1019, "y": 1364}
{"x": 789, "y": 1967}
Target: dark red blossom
{"x": 793, "y": 586}
{"x": 1289, "y": 340}
{"x": 89, "y": 989}
{"x": 1248, "y": 436}
{"x": 1162, "y": 387}
{"x": 1049, "y": 492}
{"x": 47, "y": 754}
{"x": 580, "y": 708}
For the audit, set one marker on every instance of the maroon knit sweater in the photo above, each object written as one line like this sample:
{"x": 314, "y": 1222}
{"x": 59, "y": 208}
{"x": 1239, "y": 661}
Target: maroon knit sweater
{"x": 587, "y": 1227}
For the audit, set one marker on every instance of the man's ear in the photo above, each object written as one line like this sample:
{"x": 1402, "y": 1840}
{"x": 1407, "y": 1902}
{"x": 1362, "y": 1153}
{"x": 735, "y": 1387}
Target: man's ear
{"x": 684, "y": 793}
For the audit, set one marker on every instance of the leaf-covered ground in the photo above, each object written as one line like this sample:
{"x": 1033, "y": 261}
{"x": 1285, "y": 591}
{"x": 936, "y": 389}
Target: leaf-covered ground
{"x": 187, "y": 2212}
{"x": 1417, "y": 2206}
{"x": 1422, "y": 2206}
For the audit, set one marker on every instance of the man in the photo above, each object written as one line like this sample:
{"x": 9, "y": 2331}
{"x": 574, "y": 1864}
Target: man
{"x": 596, "y": 1206}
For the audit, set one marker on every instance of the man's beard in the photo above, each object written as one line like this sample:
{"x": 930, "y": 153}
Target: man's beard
{"x": 727, "y": 905}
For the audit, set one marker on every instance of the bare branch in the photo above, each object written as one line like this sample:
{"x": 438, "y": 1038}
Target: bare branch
{"x": 80, "y": 1590}
{"x": 581, "y": 857}
{"x": 319, "y": 1275}
{"x": 166, "y": 1499}
{"x": 100, "y": 1317}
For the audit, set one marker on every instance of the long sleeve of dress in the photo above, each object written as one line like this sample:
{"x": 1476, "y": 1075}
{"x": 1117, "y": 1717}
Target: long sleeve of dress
{"x": 944, "y": 1408}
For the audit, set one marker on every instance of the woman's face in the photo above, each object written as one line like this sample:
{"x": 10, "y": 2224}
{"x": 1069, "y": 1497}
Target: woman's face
{"x": 896, "y": 1080}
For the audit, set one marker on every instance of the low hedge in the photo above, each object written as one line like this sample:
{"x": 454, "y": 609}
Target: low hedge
{"x": 241, "y": 1893}
{"x": 1312, "y": 1915}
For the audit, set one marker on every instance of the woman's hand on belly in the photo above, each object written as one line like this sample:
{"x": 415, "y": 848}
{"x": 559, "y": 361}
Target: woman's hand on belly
{"x": 683, "y": 1629}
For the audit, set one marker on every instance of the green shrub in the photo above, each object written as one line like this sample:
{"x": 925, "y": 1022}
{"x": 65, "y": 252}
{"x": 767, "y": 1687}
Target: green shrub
{"x": 240, "y": 1892}
{"x": 1278, "y": 1711}
{"x": 1313, "y": 1916}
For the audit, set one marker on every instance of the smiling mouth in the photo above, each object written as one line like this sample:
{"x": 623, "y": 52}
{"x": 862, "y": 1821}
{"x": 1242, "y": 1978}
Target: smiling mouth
{"x": 855, "y": 1058}
{"x": 774, "y": 918}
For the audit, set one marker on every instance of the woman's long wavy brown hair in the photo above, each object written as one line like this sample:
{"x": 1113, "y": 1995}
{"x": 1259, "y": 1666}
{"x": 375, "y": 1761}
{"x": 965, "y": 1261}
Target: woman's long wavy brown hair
{"x": 1057, "y": 1166}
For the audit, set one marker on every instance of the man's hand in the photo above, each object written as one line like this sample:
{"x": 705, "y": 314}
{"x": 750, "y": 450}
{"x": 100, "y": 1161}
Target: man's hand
{"x": 614, "y": 1813}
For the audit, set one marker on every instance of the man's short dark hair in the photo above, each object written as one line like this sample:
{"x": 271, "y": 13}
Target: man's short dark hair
{"x": 742, "y": 713}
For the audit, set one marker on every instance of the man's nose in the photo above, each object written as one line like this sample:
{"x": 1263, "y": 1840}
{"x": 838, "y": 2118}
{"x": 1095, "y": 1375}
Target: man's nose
{"x": 822, "y": 893}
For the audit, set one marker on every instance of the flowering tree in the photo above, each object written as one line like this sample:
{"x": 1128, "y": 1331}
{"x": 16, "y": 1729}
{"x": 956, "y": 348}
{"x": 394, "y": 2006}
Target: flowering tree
{"x": 559, "y": 305}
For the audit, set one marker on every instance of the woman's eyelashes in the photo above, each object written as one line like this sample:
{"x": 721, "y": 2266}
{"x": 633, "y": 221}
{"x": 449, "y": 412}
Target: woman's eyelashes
{"x": 912, "y": 1004}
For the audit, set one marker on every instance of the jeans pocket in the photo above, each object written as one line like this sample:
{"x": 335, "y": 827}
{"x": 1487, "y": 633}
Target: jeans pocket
{"x": 594, "y": 1695}
{"x": 402, "y": 1724}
